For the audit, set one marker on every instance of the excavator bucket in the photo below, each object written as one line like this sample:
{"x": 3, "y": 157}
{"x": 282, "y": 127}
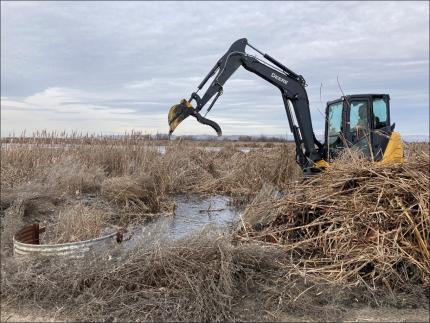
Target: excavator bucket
{"x": 179, "y": 113}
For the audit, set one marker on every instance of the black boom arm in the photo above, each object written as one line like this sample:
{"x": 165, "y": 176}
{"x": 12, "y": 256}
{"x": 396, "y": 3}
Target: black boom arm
{"x": 291, "y": 85}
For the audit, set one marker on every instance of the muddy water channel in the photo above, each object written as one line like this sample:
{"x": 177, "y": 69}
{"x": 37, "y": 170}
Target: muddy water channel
{"x": 193, "y": 213}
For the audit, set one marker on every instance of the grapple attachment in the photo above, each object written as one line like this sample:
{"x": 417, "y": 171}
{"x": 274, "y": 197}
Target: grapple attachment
{"x": 181, "y": 111}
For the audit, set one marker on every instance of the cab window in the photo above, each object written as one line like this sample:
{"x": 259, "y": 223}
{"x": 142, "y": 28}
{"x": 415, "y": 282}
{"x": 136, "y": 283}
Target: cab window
{"x": 379, "y": 113}
{"x": 358, "y": 116}
{"x": 335, "y": 139}
{"x": 334, "y": 122}
{"x": 359, "y": 126}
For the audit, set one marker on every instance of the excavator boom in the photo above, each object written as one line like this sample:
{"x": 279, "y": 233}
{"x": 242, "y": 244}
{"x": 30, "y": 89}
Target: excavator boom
{"x": 290, "y": 84}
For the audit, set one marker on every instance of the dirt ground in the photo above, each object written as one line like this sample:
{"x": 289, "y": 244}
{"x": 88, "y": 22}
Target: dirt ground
{"x": 365, "y": 314}
{"x": 387, "y": 314}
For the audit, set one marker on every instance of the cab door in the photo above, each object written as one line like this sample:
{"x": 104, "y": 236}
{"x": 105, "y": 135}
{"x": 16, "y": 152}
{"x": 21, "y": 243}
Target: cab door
{"x": 334, "y": 136}
{"x": 381, "y": 127}
{"x": 358, "y": 125}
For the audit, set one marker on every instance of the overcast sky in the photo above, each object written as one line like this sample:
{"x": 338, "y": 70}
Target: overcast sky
{"x": 112, "y": 67}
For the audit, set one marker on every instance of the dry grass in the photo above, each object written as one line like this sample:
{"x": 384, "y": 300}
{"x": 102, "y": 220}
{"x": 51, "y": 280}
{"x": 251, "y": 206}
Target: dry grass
{"x": 357, "y": 223}
{"x": 259, "y": 212}
{"x": 244, "y": 174}
{"x": 128, "y": 192}
{"x": 76, "y": 223}
{"x": 182, "y": 168}
{"x": 193, "y": 280}
{"x": 202, "y": 278}
{"x": 71, "y": 176}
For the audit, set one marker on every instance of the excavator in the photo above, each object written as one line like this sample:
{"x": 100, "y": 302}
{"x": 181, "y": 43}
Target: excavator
{"x": 359, "y": 121}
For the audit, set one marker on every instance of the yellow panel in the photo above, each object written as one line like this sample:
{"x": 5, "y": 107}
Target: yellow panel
{"x": 394, "y": 151}
{"x": 322, "y": 164}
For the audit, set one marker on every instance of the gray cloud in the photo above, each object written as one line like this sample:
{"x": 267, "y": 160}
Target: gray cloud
{"x": 116, "y": 66}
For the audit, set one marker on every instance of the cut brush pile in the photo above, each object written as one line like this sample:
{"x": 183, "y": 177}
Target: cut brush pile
{"x": 357, "y": 223}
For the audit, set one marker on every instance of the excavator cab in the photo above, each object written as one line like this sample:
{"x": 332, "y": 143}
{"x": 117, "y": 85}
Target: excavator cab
{"x": 360, "y": 122}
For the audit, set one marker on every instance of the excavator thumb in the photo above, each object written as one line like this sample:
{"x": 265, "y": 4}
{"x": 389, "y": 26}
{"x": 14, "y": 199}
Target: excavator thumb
{"x": 209, "y": 123}
{"x": 181, "y": 111}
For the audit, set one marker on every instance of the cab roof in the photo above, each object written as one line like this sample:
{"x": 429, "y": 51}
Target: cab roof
{"x": 359, "y": 96}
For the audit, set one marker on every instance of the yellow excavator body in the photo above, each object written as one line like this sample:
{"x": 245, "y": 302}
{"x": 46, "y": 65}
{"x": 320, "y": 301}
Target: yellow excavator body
{"x": 394, "y": 152}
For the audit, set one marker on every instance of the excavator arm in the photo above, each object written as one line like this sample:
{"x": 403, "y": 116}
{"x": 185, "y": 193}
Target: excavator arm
{"x": 291, "y": 85}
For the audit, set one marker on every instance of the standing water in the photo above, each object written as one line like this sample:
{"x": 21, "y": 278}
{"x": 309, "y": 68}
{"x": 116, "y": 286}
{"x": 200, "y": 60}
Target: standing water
{"x": 192, "y": 214}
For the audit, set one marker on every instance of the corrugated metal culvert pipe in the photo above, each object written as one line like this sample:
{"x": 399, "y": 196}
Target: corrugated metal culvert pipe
{"x": 27, "y": 242}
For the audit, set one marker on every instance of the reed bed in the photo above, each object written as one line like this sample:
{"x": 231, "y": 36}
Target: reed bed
{"x": 357, "y": 223}
{"x": 244, "y": 174}
{"x": 312, "y": 247}
{"x": 133, "y": 176}
{"x": 178, "y": 167}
